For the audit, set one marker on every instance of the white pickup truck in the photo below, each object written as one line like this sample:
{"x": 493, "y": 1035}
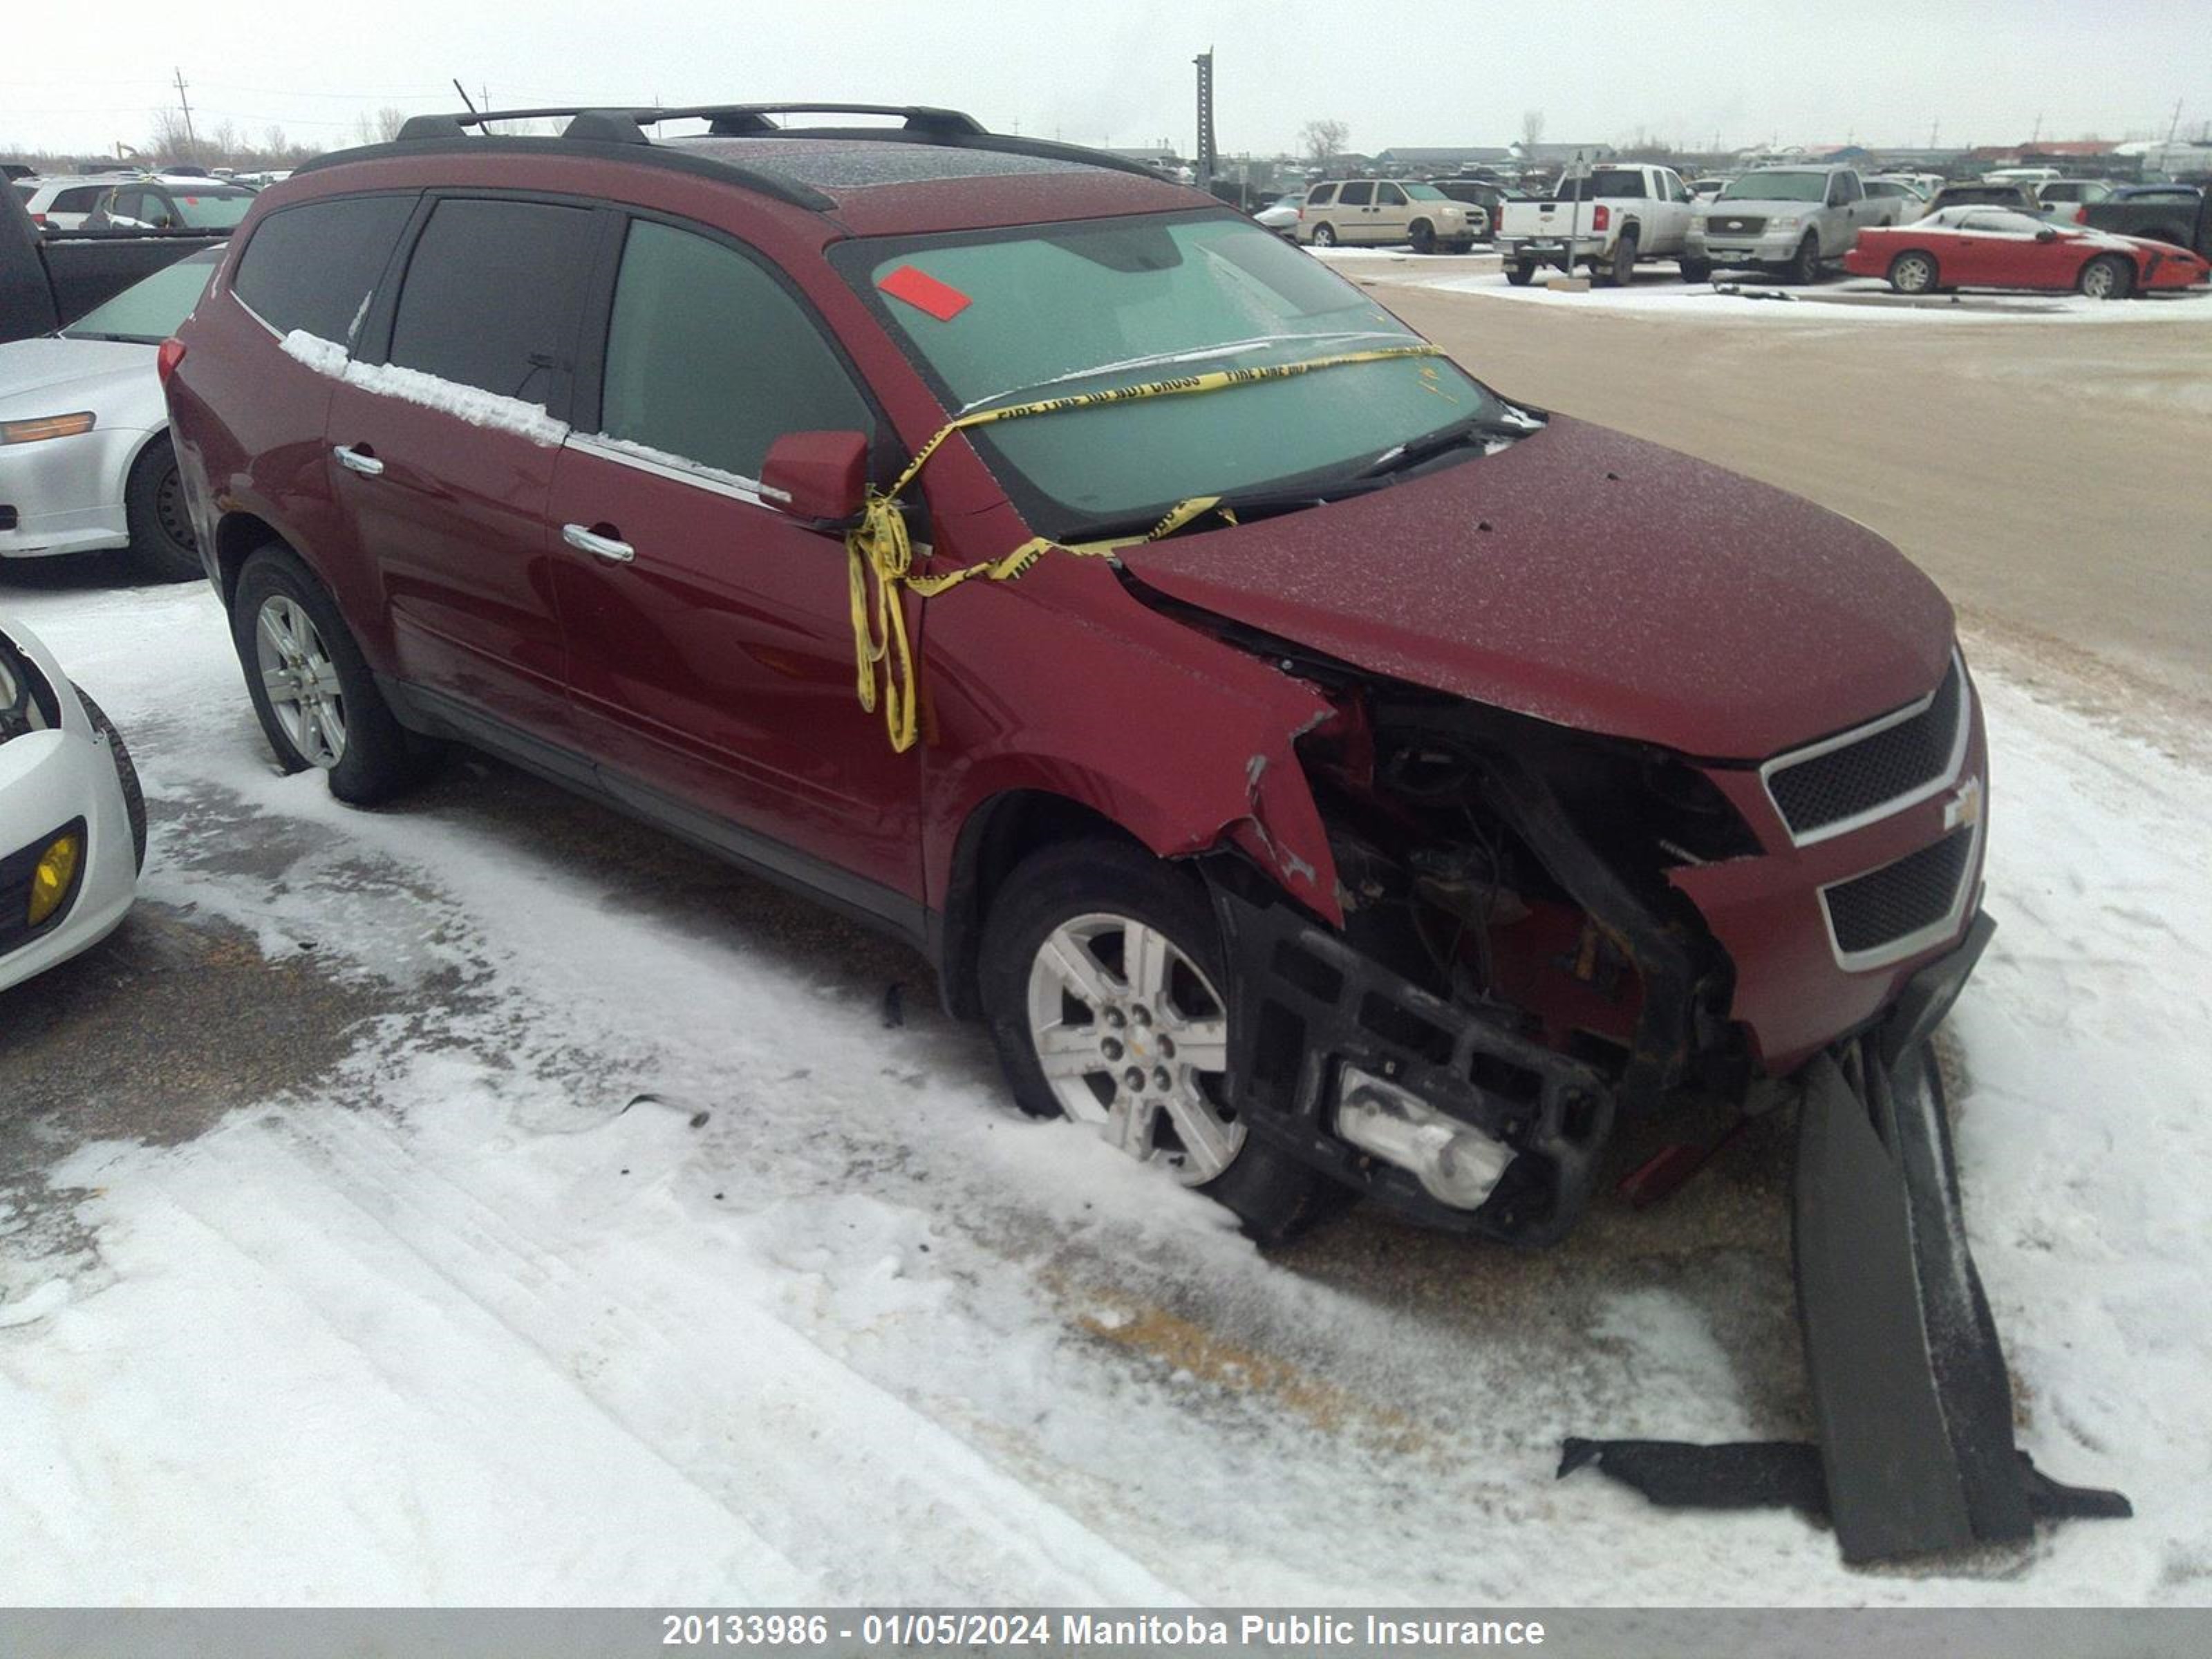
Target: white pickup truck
{"x": 1607, "y": 219}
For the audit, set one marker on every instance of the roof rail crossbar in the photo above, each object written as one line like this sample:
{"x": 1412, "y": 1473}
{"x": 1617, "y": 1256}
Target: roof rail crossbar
{"x": 729, "y": 120}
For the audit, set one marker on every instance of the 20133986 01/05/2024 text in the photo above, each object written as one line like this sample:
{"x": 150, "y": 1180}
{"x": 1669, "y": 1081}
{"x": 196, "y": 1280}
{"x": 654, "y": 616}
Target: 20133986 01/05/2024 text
{"x": 901, "y": 1630}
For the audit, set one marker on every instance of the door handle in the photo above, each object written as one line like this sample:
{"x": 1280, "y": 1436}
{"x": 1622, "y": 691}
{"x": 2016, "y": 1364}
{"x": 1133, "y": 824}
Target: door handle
{"x": 358, "y": 460}
{"x": 599, "y": 547}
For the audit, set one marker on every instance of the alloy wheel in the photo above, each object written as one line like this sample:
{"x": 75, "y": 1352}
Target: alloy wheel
{"x": 1133, "y": 1036}
{"x": 301, "y": 681}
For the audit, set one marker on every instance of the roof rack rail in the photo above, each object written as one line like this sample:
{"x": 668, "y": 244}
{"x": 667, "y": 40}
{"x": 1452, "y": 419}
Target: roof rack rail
{"x": 626, "y": 124}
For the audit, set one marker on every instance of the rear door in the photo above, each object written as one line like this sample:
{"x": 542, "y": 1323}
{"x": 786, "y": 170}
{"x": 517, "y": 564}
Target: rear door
{"x": 1394, "y": 214}
{"x": 1355, "y": 212}
{"x": 711, "y": 636}
{"x": 442, "y": 441}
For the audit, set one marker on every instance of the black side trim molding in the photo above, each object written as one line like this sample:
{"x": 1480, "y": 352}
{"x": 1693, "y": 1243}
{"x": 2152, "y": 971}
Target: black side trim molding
{"x": 433, "y": 713}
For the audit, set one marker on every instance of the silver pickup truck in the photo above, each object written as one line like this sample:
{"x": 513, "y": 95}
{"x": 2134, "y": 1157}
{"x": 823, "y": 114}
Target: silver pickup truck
{"x": 1792, "y": 220}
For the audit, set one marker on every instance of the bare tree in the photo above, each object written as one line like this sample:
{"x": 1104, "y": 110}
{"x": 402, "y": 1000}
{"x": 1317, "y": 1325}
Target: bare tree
{"x": 1321, "y": 140}
{"x": 169, "y": 141}
{"x": 1532, "y": 129}
{"x": 388, "y": 123}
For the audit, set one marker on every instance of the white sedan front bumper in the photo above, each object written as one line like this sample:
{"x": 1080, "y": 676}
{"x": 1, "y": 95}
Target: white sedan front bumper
{"x": 66, "y": 494}
{"x": 50, "y": 781}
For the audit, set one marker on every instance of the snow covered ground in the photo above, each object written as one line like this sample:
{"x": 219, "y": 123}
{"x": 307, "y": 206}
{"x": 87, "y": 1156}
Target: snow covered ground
{"x": 453, "y": 1321}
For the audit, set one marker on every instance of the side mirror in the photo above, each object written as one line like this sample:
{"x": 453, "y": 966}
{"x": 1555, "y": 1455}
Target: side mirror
{"x": 817, "y": 478}
{"x": 2046, "y": 235}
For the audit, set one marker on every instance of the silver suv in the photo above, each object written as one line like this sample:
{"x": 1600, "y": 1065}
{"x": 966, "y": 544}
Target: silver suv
{"x": 1790, "y": 219}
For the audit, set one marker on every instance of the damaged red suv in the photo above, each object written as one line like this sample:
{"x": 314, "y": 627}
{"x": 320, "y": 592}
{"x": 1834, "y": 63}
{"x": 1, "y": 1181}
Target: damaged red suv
{"x": 1320, "y": 771}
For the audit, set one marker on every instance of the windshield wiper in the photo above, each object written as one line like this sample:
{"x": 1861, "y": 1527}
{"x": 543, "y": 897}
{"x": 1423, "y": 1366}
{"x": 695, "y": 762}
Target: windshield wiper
{"x": 1232, "y": 508}
{"x": 1488, "y": 428}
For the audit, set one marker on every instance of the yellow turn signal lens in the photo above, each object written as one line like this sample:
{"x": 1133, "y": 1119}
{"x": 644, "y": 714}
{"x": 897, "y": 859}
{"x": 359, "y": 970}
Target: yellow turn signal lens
{"x": 44, "y": 426}
{"x": 55, "y": 875}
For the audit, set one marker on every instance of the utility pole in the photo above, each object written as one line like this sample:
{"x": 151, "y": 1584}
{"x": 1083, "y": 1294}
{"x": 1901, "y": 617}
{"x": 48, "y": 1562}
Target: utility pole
{"x": 193, "y": 142}
{"x": 1206, "y": 151}
{"x": 1933, "y": 127}
{"x": 2172, "y": 126}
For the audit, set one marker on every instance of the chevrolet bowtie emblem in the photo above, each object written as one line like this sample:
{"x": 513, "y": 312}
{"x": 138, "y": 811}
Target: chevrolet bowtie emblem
{"x": 1966, "y": 806}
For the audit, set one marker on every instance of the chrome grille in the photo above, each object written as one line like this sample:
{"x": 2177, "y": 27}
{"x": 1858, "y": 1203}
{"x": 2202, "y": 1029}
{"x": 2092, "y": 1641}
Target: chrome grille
{"x": 1916, "y": 893}
{"x": 1903, "y": 757}
{"x": 1730, "y": 225}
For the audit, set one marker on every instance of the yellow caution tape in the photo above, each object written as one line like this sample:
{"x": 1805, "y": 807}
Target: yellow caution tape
{"x": 877, "y": 546}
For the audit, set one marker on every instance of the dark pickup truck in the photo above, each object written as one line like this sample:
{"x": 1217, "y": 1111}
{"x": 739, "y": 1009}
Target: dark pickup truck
{"x": 2180, "y": 214}
{"x": 53, "y": 277}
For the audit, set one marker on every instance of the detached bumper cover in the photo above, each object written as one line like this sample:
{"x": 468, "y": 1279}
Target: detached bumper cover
{"x": 1910, "y": 1390}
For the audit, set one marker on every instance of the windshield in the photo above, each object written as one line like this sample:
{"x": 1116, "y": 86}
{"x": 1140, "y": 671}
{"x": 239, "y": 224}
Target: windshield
{"x": 152, "y": 310}
{"x": 212, "y": 210}
{"x": 996, "y": 318}
{"x": 1777, "y": 187}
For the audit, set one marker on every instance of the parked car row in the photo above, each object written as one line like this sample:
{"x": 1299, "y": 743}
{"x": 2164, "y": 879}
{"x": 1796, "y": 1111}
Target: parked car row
{"x": 134, "y": 201}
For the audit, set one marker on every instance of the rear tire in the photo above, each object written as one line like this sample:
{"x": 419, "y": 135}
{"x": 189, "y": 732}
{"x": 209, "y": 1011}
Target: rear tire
{"x": 1622, "y": 272}
{"x": 330, "y": 715}
{"x": 1324, "y": 236}
{"x": 1041, "y": 979}
{"x": 2107, "y": 277}
{"x": 134, "y": 793}
{"x": 1913, "y": 272}
{"x": 162, "y": 547}
{"x": 1520, "y": 275}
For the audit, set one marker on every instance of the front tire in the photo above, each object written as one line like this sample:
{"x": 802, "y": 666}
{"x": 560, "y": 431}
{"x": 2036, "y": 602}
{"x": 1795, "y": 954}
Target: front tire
{"x": 1102, "y": 977}
{"x": 311, "y": 687}
{"x": 1424, "y": 236}
{"x": 1696, "y": 270}
{"x": 1913, "y": 272}
{"x": 2107, "y": 277}
{"x": 163, "y": 547}
{"x": 1804, "y": 269}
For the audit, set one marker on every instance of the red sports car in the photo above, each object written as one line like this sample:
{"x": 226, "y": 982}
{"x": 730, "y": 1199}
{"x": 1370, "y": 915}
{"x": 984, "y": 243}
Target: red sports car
{"x": 1995, "y": 247}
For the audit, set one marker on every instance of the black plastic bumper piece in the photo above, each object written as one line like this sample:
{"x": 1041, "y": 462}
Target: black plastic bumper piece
{"x": 1306, "y": 1004}
{"x": 1910, "y": 1390}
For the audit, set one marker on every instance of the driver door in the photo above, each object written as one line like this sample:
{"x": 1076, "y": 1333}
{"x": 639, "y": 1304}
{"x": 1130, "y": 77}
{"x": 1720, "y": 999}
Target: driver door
{"x": 710, "y": 637}
{"x": 1394, "y": 214}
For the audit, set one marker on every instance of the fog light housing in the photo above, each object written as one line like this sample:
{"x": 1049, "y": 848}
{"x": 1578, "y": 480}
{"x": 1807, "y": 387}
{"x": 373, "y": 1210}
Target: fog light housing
{"x": 1455, "y": 1161}
{"x": 54, "y": 877}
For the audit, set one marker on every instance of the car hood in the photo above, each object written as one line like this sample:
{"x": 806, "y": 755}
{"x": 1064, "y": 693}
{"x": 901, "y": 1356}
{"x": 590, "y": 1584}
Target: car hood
{"x": 1592, "y": 579}
{"x": 86, "y": 372}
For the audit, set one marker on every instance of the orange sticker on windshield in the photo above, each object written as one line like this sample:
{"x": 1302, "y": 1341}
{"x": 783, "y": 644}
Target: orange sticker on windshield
{"x": 924, "y": 293}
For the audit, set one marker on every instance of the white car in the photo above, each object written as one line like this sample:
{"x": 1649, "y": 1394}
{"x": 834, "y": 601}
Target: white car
{"x": 72, "y": 818}
{"x": 1281, "y": 215}
{"x": 85, "y": 459}
{"x": 66, "y": 204}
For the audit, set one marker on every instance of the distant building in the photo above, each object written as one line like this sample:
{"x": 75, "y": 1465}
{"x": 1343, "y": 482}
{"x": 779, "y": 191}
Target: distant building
{"x": 1442, "y": 160}
{"x": 1553, "y": 155}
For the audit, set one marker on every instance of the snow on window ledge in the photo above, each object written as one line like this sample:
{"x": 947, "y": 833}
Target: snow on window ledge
{"x": 467, "y": 403}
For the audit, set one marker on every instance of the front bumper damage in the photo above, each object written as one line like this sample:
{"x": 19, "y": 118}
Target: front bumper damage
{"x": 1912, "y": 1400}
{"x": 1910, "y": 1394}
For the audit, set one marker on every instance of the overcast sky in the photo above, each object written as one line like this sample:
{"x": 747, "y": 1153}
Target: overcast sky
{"x": 1118, "y": 71}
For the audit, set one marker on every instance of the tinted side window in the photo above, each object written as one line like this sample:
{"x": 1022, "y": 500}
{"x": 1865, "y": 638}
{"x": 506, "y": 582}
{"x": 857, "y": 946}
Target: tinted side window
{"x": 709, "y": 358}
{"x": 1356, "y": 196}
{"x": 1321, "y": 196}
{"x": 492, "y": 294}
{"x": 311, "y": 267}
{"x": 80, "y": 200}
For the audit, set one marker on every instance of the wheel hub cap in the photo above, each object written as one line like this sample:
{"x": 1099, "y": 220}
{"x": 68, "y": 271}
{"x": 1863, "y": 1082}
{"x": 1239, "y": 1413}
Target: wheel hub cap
{"x": 1132, "y": 1036}
{"x": 301, "y": 682}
